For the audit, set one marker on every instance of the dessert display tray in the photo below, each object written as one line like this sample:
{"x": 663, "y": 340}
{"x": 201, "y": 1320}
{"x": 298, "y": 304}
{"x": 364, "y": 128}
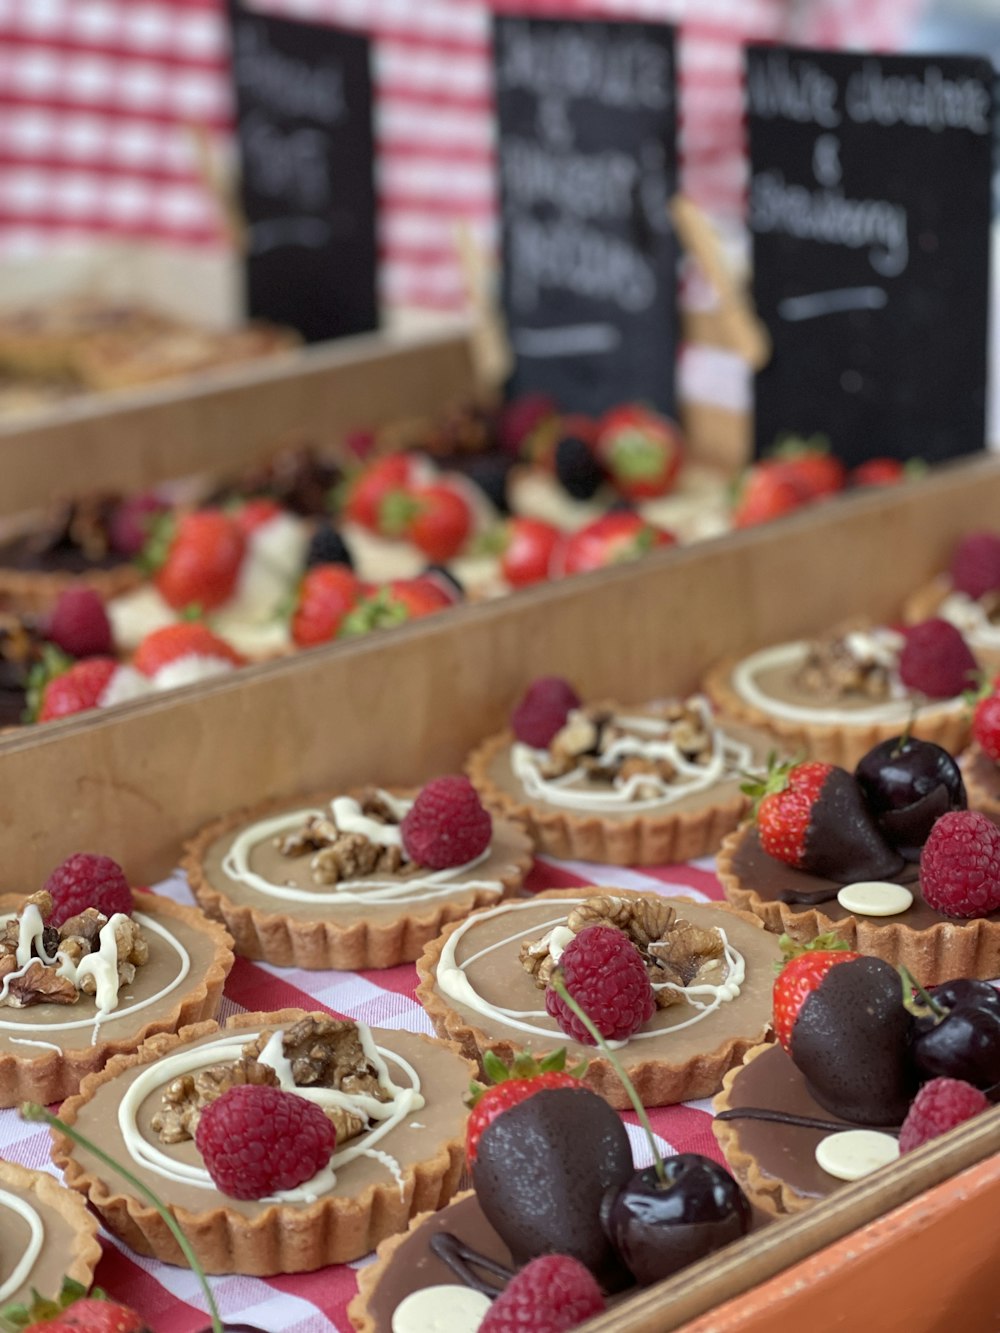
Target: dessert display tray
{"x": 135, "y": 782}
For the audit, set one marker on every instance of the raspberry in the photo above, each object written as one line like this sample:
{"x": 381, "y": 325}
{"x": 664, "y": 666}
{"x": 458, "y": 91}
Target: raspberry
{"x": 936, "y": 660}
{"x": 960, "y": 865}
{"x": 549, "y": 1295}
{"x": 79, "y": 624}
{"x": 543, "y": 710}
{"x": 446, "y": 825}
{"x": 85, "y": 880}
{"x": 256, "y": 1140}
{"x": 940, "y": 1105}
{"x": 975, "y": 565}
{"x": 604, "y": 972}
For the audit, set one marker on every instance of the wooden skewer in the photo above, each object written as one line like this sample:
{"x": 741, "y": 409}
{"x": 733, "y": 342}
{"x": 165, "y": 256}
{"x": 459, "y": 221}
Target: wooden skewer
{"x": 220, "y": 187}
{"x": 490, "y": 348}
{"x": 745, "y": 332}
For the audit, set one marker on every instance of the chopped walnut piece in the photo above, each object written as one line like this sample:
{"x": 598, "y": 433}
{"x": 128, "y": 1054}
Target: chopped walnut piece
{"x": 375, "y": 806}
{"x": 674, "y": 950}
{"x": 581, "y": 735}
{"x": 353, "y": 855}
{"x": 40, "y": 985}
{"x": 186, "y": 1097}
{"x": 608, "y": 750}
{"x": 843, "y": 664}
{"x": 317, "y": 832}
{"x": 85, "y": 926}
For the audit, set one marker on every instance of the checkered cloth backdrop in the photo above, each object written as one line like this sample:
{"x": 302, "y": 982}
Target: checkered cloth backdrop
{"x": 97, "y": 97}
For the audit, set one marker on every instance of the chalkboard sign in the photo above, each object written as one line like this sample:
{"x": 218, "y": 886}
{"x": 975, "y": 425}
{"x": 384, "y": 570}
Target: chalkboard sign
{"x": 870, "y": 215}
{"x": 304, "y": 127}
{"x": 587, "y": 162}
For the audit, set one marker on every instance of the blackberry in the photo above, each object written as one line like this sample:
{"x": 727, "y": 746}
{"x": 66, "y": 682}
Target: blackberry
{"x": 328, "y": 547}
{"x": 577, "y": 469}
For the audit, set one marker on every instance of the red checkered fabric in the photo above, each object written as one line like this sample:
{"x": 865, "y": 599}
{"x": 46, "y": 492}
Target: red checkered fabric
{"x": 97, "y": 98}
{"x": 170, "y": 1298}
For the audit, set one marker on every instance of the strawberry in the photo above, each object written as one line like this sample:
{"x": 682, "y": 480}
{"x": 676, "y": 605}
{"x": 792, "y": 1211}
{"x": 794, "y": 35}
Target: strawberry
{"x": 813, "y": 817}
{"x": 255, "y": 513}
{"x": 395, "y": 603}
{"x": 510, "y": 1087}
{"x": 188, "y": 638}
{"x": 78, "y": 688}
{"x": 804, "y": 968}
{"x": 326, "y": 594}
{"x": 765, "y": 492}
{"x": 986, "y": 724}
{"x": 437, "y": 519}
{"x": 609, "y": 540}
{"x": 202, "y": 561}
{"x": 363, "y": 494}
{"x": 640, "y": 450}
{"x": 528, "y": 546}
{"x": 886, "y": 471}
{"x": 811, "y": 466}
{"x": 74, "y": 1309}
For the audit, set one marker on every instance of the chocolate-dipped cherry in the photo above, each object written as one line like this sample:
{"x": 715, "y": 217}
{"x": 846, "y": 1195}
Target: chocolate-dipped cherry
{"x": 659, "y": 1226}
{"x": 908, "y": 784}
{"x": 851, "y": 1042}
{"x": 956, "y": 1032}
{"x": 541, "y": 1171}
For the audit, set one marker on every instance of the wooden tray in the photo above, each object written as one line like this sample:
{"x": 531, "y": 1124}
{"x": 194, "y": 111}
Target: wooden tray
{"x": 405, "y": 705}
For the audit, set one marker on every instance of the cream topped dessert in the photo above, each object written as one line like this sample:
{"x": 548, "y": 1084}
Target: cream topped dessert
{"x": 74, "y": 995}
{"x": 838, "y": 695}
{"x": 483, "y": 984}
{"x": 639, "y": 785}
{"x": 331, "y": 883}
{"x": 394, "y": 1099}
{"x": 46, "y": 1236}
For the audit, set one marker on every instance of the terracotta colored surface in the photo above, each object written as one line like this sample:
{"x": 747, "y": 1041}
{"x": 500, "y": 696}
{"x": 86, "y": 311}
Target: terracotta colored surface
{"x": 927, "y": 1267}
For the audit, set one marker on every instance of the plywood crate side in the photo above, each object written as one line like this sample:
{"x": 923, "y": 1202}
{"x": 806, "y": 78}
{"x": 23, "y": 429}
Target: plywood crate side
{"x": 402, "y": 707}
{"x": 220, "y": 422}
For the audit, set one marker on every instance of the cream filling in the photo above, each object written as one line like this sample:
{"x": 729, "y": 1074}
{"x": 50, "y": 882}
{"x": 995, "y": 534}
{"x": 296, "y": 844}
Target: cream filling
{"x": 103, "y": 966}
{"x": 403, "y": 1102}
{"x": 348, "y": 818}
{"x": 744, "y": 683}
{"x": 969, "y": 617}
{"x": 650, "y": 740}
{"x": 33, "y": 1248}
{"x": 453, "y": 981}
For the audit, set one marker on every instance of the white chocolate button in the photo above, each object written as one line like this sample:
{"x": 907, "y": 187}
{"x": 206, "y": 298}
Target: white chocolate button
{"x": 444, "y": 1309}
{"x": 855, "y": 1153}
{"x": 875, "y": 897}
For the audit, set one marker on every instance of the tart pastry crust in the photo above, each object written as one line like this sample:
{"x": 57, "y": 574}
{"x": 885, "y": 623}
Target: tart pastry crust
{"x": 56, "y": 1074}
{"x": 377, "y": 941}
{"x": 40, "y": 589}
{"x": 842, "y": 742}
{"x": 658, "y": 1080}
{"x": 934, "y": 954}
{"x": 664, "y": 836}
{"x": 280, "y": 1237}
{"x": 84, "y": 1253}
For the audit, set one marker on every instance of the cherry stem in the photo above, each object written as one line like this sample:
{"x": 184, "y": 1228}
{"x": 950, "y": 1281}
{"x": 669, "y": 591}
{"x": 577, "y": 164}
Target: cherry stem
{"x": 930, "y": 1005}
{"x": 33, "y": 1111}
{"x": 559, "y": 986}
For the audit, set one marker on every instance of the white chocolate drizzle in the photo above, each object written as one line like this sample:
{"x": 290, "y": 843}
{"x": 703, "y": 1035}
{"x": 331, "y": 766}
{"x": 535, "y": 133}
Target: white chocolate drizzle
{"x": 453, "y": 980}
{"x": 384, "y": 1116}
{"x": 103, "y": 966}
{"x": 744, "y": 682}
{"x": 33, "y": 1248}
{"x": 650, "y": 739}
{"x": 348, "y": 818}
{"x": 970, "y": 617}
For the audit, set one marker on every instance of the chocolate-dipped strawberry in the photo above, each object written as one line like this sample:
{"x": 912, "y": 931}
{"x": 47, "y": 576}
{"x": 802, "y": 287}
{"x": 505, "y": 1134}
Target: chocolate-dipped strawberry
{"x": 850, "y": 1040}
{"x": 907, "y": 785}
{"x": 541, "y": 1171}
{"x": 813, "y": 817}
{"x": 658, "y": 1226}
{"x": 956, "y": 1032}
